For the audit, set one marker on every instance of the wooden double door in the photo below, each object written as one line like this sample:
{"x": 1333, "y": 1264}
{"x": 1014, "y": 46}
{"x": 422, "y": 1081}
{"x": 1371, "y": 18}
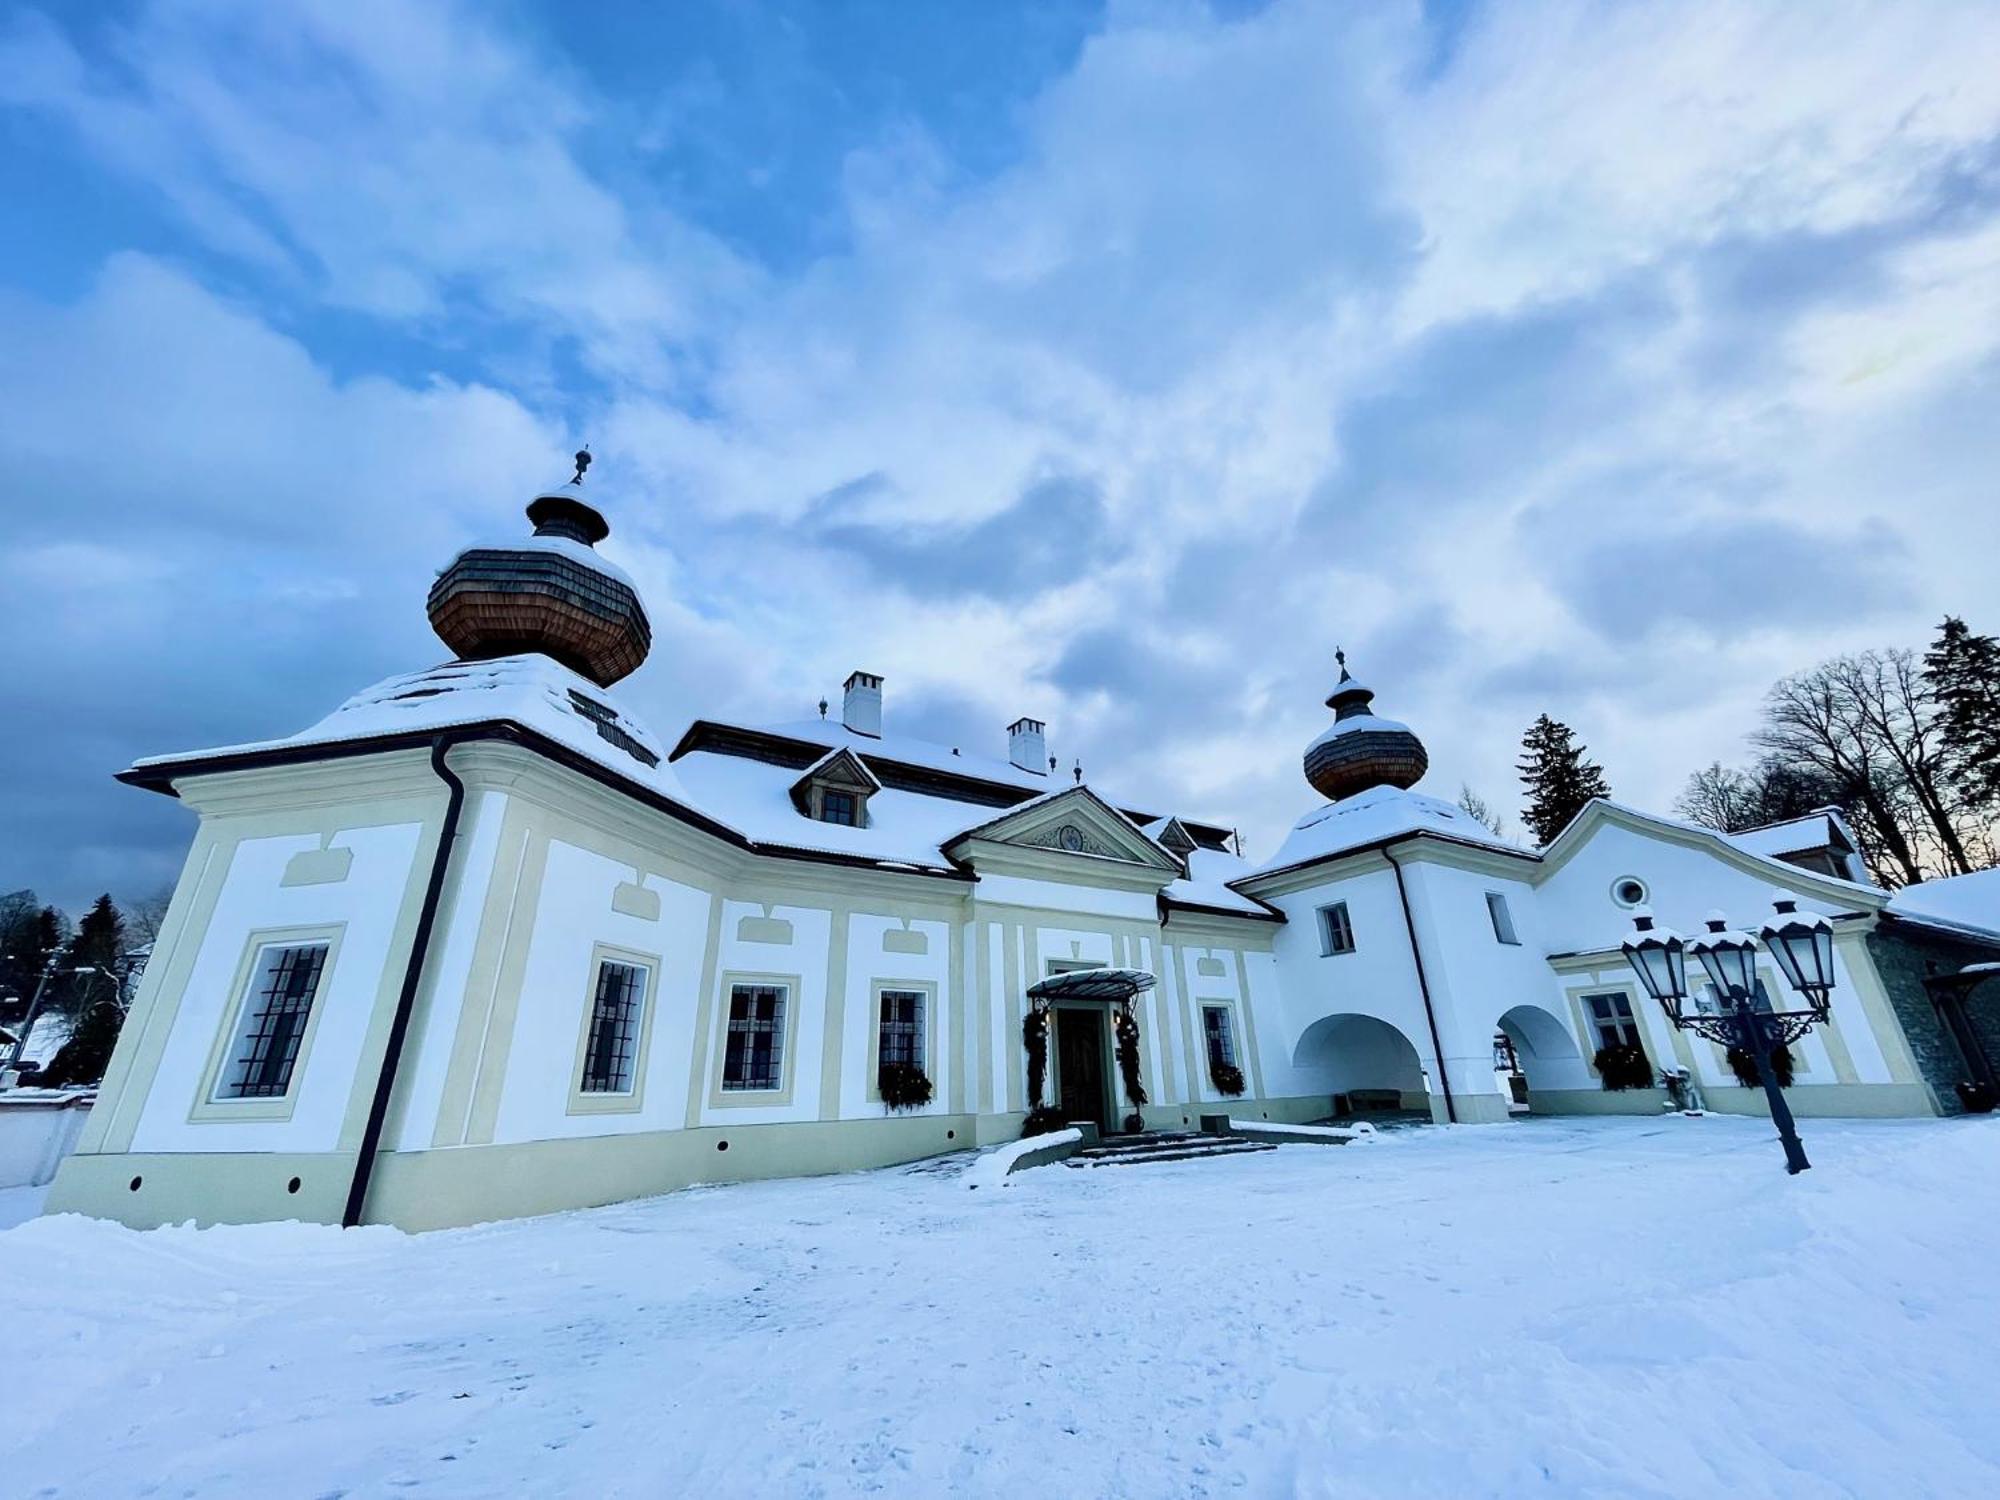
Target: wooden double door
{"x": 1083, "y": 1057}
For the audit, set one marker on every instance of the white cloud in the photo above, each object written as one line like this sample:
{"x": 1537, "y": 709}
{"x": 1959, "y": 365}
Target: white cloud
{"x": 1347, "y": 348}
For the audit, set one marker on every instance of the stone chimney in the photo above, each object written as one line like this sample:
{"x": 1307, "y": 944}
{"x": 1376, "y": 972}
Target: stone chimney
{"x": 861, "y": 704}
{"x": 1027, "y": 747}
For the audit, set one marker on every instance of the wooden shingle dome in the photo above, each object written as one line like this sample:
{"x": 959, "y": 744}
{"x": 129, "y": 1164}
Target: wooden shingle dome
{"x": 548, "y": 593}
{"x": 1362, "y": 750}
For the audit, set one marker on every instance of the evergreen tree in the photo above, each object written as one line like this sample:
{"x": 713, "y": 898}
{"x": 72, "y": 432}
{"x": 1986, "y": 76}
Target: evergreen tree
{"x": 99, "y": 944}
{"x": 29, "y": 933}
{"x": 1558, "y": 779}
{"x": 1962, "y": 671}
{"x": 86, "y": 1052}
{"x": 96, "y": 999}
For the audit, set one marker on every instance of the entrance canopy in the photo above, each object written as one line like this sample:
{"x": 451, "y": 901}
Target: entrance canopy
{"x": 1093, "y": 984}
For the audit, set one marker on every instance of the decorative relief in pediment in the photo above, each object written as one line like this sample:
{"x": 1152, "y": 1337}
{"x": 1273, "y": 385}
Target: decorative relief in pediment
{"x": 1071, "y": 838}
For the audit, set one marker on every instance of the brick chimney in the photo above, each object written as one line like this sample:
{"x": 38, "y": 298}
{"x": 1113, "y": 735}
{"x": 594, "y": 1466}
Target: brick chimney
{"x": 861, "y": 704}
{"x": 1027, "y": 746}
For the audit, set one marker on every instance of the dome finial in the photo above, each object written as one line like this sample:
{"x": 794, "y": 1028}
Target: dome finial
{"x": 1361, "y": 750}
{"x": 582, "y": 463}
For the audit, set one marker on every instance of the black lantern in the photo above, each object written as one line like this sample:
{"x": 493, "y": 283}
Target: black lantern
{"x": 1658, "y": 957}
{"x": 1802, "y": 943}
{"x": 1729, "y": 957}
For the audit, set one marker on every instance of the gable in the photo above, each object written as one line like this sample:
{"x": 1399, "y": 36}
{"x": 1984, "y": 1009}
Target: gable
{"x": 1685, "y": 871}
{"x": 1074, "y": 824}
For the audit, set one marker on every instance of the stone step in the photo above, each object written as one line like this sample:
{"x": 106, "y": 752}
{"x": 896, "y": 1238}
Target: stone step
{"x": 1165, "y": 1148}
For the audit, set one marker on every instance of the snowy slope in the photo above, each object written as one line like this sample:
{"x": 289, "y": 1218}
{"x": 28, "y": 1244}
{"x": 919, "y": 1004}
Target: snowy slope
{"x": 1588, "y": 1308}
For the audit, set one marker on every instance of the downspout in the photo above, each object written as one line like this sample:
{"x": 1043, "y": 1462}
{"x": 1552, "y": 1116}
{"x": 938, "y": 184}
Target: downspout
{"x": 413, "y": 973}
{"x": 1424, "y": 987}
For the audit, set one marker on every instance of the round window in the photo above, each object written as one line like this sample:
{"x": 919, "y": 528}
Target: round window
{"x": 1070, "y": 837}
{"x": 1628, "y": 890}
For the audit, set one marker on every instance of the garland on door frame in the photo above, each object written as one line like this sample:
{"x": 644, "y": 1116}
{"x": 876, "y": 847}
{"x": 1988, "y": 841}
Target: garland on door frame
{"x": 1035, "y": 1037}
{"x": 1128, "y": 1057}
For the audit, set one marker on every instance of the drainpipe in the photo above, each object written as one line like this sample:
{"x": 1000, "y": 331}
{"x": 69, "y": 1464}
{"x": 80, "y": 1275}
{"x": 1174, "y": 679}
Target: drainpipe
{"x": 413, "y": 973}
{"x": 1424, "y": 986}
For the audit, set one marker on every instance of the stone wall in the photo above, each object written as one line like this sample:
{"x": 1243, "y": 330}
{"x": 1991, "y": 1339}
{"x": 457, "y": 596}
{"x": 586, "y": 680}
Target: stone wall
{"x": 1904, "y": 955}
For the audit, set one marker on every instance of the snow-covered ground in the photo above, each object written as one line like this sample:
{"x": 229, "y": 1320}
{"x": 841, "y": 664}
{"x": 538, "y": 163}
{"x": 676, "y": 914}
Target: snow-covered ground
{"x": 1592, "y": 1308}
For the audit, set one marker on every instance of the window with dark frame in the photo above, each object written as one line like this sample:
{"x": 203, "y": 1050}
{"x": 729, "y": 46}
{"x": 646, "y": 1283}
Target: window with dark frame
{"x": 1221, "y": 1036}
{"x": 273, "y": 1022}
{"x": 838, "y": 807}
{"x": 611, "y": 1055}
{"x": 1503, "y": 919}
{"x": 754, "y": 1059}
{"x": 1336, "y": 932}
{"x": 1612, "y": 1019}
{"x": 901, "y": 1038}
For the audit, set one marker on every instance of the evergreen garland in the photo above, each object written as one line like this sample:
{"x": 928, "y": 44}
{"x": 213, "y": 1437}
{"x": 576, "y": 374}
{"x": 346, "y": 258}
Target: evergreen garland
{"x": 1128, "y": 1057}
{"x": 1744, "y": 1066}
{"x": 903, "y": 1085}
{"x": 1558, "y": 778}
{"x": 1623, "y": 1067}
{"x": 1035, "y": 1037}
{"x": 1228, "y": 1078}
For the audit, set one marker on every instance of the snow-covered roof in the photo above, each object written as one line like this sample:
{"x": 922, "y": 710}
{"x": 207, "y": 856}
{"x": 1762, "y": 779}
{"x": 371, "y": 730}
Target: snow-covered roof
{"x": 530, "y": 690}
{"x": 755, "y": 797}
{"x": 1375, "y": 816}
{"x": 1968, "y": 901}
{"x": 561, "y": 546}
{"x": 910, "y": 752}
{"x": 747, "y": 797}
{"x": 1822, "y": 828}
{"x": 1207, "y": 882}
{"x": 1357, "y": 724}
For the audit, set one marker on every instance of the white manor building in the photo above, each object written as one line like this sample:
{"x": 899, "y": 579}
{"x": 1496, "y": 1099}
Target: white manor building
{"x": 478, "y": 944}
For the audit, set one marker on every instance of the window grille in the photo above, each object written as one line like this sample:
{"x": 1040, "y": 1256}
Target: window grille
{"x": 274, "y": 1021}
{"x": 1336, "y": 932}
{"x": 1611, "y": 1016}
{"x": 902, "y": 1034}
{"x": 1221, "y": 1038}
{"x": 838, "y": 807}
{"x": 611, "y": 1055}
{"x": 755, "y": 1057}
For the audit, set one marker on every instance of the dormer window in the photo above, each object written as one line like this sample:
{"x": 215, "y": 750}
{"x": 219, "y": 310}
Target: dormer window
{"x": 835, "y": 789}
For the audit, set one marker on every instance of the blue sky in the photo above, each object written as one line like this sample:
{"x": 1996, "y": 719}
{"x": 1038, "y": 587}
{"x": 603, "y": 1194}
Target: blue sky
{"x": 1110, "y": 364}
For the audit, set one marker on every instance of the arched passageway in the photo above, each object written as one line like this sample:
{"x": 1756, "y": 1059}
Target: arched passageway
{"x": 1533, "y": 1051}
{"x": 1366, "y": 1065}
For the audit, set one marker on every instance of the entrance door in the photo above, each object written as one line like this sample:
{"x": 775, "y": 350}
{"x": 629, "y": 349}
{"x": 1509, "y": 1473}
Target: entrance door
{"x": 1080, "y": 1062}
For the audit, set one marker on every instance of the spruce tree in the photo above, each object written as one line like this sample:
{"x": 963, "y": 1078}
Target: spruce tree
{"x": 1558, "y": 779}
{"x": 1962, "y": 671}
{"x": 96, "y": 1000}
{"x": 99, "y": 944}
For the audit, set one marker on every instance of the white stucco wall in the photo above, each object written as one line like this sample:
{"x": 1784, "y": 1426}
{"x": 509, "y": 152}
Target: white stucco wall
{"x": 252, "y": 899}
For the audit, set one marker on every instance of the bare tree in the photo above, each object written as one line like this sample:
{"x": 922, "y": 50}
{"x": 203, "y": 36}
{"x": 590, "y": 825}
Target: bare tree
{"x": 1720, "y": 798}
{"x": 144, "y": 915}
{"x": 1889, "y": 703}
{"x": 1477, "y": 808}
{"x": 1823, "y": 720}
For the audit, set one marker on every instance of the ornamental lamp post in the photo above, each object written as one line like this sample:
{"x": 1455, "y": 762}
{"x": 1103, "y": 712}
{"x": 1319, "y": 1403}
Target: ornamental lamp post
{"x": 1659, "y": 958}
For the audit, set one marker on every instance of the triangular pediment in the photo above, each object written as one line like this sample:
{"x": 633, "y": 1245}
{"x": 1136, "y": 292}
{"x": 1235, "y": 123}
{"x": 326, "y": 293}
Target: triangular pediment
{"x": 1077, "y": 823}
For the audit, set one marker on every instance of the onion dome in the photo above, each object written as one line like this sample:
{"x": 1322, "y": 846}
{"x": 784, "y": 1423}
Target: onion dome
{"x": 548, "y": 593}
{"x": 1360, "y": 750}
